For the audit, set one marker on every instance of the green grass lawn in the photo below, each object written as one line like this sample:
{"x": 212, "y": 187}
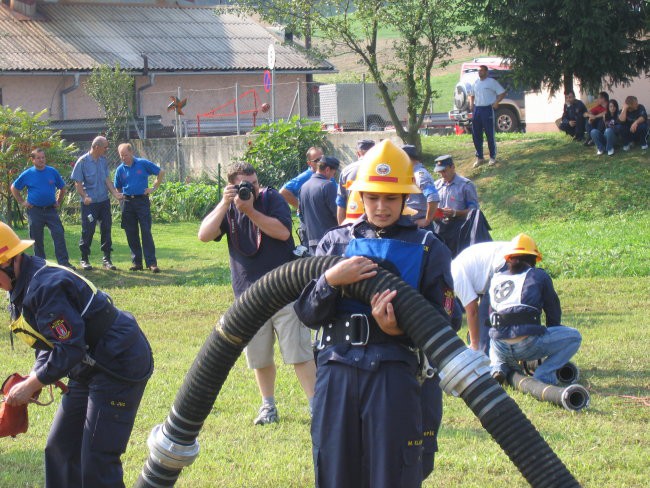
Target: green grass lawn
{"x": 590, "y": 218}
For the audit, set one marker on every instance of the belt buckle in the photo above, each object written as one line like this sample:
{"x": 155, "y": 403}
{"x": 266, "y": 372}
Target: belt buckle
{"x": 362, "y": 320}
{"x": 494, "y": 320}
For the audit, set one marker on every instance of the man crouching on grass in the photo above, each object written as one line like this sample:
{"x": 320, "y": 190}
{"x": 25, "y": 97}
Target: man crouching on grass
{"x": 257, "y": 223}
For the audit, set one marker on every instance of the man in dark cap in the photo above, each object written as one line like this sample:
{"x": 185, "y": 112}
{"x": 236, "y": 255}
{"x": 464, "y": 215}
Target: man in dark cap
{"x": 423, "y": 204}
{"x": 348, "y": 175}
{"x": 457, "y": 197}
{"x": 318, "y": 201}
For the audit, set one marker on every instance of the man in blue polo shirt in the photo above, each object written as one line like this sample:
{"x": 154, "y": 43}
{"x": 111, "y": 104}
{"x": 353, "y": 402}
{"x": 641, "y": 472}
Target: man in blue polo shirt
{"x": 92, "y": 181}
{"x": 42, "y": 203}
{"x": 132, "y": 179}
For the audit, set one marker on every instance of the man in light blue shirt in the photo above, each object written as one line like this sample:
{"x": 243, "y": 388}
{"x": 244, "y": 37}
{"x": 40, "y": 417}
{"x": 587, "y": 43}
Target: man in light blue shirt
{"x": 424, "y": 204}
{"x": 484, "y": 98}
{"x": 92, "y": 180}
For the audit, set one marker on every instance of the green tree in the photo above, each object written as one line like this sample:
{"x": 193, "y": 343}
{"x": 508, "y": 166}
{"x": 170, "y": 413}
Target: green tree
{"x": 424, "y": 31}
{"x": 113, "y": 90}
{"x": 552, "y": 42}
{"x": 278, "y": 150}
{"x": 20, "y": 133}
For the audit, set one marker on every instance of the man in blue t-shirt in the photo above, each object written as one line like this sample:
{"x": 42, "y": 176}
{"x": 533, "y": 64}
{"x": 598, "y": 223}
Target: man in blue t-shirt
{"x": 42, "y": 203}
{"x": 258, "y": 230}
{"x": 132, "y": 179}
{"x": 92, "y": 181}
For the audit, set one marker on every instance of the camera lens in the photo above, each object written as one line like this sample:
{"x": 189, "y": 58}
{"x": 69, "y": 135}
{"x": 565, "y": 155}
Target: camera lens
{"x": 244, "y": 193}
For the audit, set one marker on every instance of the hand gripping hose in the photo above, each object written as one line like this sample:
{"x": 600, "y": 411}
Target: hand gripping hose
{"x": 463, "y": 372}
{"x": 573, "y": 397}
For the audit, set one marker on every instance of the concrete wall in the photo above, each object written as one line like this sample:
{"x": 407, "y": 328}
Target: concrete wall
{"x": 202, "y": 155}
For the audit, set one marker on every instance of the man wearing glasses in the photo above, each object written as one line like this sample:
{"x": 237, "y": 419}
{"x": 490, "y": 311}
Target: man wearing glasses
{"x": 92, "y": 181}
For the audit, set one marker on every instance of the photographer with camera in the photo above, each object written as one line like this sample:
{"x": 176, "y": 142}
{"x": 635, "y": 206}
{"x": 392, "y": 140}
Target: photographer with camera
{"x": 257, "y": 224}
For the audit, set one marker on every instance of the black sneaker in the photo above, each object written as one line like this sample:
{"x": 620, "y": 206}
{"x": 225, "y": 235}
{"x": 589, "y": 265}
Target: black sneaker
{"x": 499, "y": 376}
{"x": 107, "y": 264}
{"x": 85, "y": 265}
{"x": 69, "y": 266}
{"x": 136, "y": 267}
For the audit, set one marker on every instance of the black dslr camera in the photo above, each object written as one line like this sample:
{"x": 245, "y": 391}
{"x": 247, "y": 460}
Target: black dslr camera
{"x": 244, "y": 190}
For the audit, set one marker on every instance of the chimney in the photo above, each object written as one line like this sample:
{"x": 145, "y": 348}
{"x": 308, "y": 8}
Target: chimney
{"x": 24, "y": 7}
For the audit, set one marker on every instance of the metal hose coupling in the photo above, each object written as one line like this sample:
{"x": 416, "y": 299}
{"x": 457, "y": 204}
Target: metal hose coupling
{"x": 463, "y": 370}
{"x": 169, "y": 453}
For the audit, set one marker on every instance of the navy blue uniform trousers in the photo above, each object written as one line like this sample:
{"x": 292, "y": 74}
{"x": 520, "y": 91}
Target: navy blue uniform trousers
{"x": 483, "y": 120}
{"x": 98, "y": 416}
{"x": 37, "y": 219}
{"x": 90, "y": 215}
{"x": 353, "y": 400}
{"x": 136, "y": 221}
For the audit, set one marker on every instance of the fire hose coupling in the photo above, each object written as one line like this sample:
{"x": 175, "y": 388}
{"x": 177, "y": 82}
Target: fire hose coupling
{"x": 463, "y": 370}
{"x": 168, "y": 453}
{"x": 575, "y": 397}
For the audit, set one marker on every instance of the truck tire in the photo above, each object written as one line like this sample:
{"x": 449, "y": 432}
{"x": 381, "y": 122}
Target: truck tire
{"x": 461, "y": 99}
{"x": 505, "y": 120}
{"x": 375, "y": 123}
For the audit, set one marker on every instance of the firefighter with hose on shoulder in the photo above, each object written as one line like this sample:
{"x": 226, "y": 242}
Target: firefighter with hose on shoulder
{"x": 76, "y": 332}
{"x": 377, "y": 406}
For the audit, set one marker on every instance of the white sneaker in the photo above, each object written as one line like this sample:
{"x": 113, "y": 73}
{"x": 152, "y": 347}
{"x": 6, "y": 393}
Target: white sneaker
{"x": 644, "y": 147}
{"x": 627, "y": 147}
{"x": 492, "y": 162}
{"x": 479, "y": 162}
{"x": 610, "y": 152}
{"x": 599, "y": 152}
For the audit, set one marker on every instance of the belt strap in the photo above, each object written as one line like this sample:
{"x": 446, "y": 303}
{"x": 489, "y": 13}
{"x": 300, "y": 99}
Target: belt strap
{"x": 356, "y": 330}
{"x": 498, "y": 320}
{"x": 99, "y": 323}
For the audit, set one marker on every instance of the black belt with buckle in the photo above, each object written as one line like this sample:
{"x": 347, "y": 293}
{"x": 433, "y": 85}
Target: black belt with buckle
{"x": 133, "y": 197}
{"x": 47, "y": 207}
{"x": 498, "y": 320}
{"x": 356, "y": 329}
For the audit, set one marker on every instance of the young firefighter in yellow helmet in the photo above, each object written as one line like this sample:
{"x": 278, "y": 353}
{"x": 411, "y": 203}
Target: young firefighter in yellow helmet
{"x": 76, "y": 332}
{"x": 518, "y": 295}
{"x": 374, "y": 423}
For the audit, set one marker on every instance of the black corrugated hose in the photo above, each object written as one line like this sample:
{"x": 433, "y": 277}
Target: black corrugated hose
{"x": 573, "y": 397}
{"x": 174, "y": 445}
{"x": 568, "y": 374}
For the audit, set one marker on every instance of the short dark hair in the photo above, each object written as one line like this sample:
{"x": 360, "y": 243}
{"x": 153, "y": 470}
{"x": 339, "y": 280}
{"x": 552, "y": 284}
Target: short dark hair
{"x": 604, "y": 94}
{"x": 238, "y": 169}
{"x": 36, "y": 151}
{"x": 569, "y": 92}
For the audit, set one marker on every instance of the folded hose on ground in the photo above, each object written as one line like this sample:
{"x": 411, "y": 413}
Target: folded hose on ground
{"x": 567, "y": 374}
{"x": 462, "y": 371}
{"x": 573, "y": 397}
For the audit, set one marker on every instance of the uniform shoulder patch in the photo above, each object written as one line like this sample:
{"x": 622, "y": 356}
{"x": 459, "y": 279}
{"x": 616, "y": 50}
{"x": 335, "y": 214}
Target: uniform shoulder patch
{"x": 61, "y": 329}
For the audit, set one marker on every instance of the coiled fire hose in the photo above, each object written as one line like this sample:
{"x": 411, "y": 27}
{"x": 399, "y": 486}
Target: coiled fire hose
{"x": 463, "y": 372}
{"x": 573, "y": 397}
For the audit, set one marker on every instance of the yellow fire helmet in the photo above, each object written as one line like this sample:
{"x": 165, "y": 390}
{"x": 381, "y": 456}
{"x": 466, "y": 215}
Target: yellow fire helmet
{"x": 523, "y": 244}
{"x": 385, "y": 169}
{"x": 10, "y": 244}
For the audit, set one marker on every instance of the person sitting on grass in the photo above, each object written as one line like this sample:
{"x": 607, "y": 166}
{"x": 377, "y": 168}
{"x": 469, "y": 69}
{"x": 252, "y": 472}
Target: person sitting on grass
{"x": 518, "y": 296}
{"x": 608, "y": 130}
{"x": 634, "y": 120}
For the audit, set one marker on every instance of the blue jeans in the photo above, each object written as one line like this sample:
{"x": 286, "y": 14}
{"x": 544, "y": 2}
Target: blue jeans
{"x": 558, "y": 345}
{"x": 37, "y": 219}
{"x": 604, "y": 142}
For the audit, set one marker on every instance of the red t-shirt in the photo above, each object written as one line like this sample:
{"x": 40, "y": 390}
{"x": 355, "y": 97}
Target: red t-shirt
{"x": 598, "y": 109}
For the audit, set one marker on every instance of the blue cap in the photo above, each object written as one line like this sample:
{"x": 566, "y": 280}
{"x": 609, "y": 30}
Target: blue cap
{"x": 365, "y": 144}
{"x": 443, "y": 162}
{"x": 330, "y": 162}
{"x": 411, "y": 150}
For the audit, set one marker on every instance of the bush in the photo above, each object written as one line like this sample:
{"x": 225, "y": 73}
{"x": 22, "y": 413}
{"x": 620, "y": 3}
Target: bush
{"x": 178, "y": 202}
{"x": 278, "y": 151}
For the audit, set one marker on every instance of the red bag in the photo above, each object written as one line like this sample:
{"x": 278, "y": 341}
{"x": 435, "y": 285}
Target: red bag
{"x": 13, "y": 420}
